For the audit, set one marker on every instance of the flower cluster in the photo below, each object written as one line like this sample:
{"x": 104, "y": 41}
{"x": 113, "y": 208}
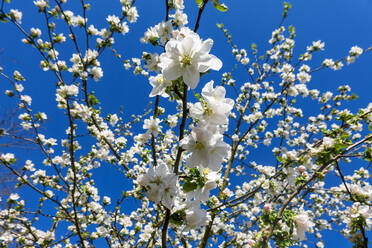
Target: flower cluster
{"x": 238, "y": 161}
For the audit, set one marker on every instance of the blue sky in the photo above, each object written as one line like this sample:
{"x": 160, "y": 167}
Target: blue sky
{"x": 340, "y": 24}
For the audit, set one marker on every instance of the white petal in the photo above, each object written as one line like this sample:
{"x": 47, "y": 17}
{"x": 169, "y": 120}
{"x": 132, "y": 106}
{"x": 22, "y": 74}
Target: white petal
{"x": 191, "y": 76}
{"x": 187, "y": 44}
{"x": 206, "y": 46}
{"x": 172, "y": 49}
{"x": 172, "y": 71}
{"x": 209, "y": 61}
{"x": 196, "y": 111}
{"x": 220, "y": 92}
{"x": 208, "y": 89}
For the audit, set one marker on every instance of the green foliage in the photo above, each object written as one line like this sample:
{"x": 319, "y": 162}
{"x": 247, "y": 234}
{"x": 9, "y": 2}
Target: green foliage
{"x": 368, "y": 154}
{"x": 292, "y": 31}
{"x": 268, "y": 217}
{"x": 219, "y": 25}
{"x": 39, "y": 117}
{"x": 220, "y": 6}
{"x": 93, "y": 100}
{"x": 176, "y": 89}
{"x": 193, "y": 181}
{"x": 357, "y": 223}
{"x": 300, "y": 180}
{"x": 287, "y": 7}
{"x": 283, "y": 239}
{"x": 177, "y": 217}
{"x": 197, "y": 95}
{"x": 3, "y": 18}
{"x": 199, "y": 2}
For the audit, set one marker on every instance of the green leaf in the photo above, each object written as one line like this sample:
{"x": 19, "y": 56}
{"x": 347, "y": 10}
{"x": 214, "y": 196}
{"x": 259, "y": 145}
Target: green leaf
{"x": 253, "y": 46}
{"x": 8, "y": 1}
{"x": 189, "y": 186}
{"x": 287, "y": 5}
{"x": 219, "y": 25}
{"x": 221, "y": 7}
{"x": 197, "y": 95}
{"x": 368, "y": 154}
{"x": 93, "y": 100}
{"x": 193, "y": 181}
{"x": 199, "y": 2}
{"x": 177, "y": 217}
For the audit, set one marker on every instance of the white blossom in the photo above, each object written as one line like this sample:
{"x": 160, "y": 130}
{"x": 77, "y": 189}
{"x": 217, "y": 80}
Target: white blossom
{"x": 303, "y": 225}
{"x": 206, "y": 147}
{"x": 162, "y": 184}
{"x": 187, "y": 58}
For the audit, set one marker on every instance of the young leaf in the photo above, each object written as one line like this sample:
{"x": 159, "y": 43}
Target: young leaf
{"x": 221, "y": 7}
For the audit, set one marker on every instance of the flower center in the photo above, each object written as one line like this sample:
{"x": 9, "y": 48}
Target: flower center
{"x": 157, "y": 180}
{"x": 208, "y": 111}
{"x": 205, "y": 171}
{"x": 186, "y": 60}
{"x": 199, "y": 145}
{"x": 160, "y": 79}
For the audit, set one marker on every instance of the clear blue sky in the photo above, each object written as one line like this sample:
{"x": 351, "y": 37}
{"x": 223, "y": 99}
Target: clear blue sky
{"x": 340, "y": 24}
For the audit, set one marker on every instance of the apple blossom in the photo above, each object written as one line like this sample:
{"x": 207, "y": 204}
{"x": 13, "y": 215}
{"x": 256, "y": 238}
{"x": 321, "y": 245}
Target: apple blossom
{"x": 187, "y": 58}
{"x": 206, "y": 147}
{"x": 239, "y": 163}
{"x": 161, "y": 183}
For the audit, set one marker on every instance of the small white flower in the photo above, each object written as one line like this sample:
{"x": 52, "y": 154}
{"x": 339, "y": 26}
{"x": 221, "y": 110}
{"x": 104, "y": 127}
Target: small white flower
{"x": 303, "y": 224}
{"x": 16, "y": 15}
{"x": 132, "y": 14}
{"x": 303, "y": 77}
{"x": 159, "y": 85}
{"x": 328, "y": 142}
{"x": 41, "y": 4}
{"x": 178, "y": 4}
{"x": 106, "y": 200}
{"x": 187, "y": 58}
{"x": 162, "y": 184}
{"x": 195, "y": 217}
{"x": 152, "y": 125}
{"x": 206, "y": 147}
{"x": 27, "y": 99}
{"x": 180, "y": 18}
{"x": 68, "y": 90}
{"x": 14, "y": 197}
{"x": 96, "y": 72}
{"x": 215, "y": 108}
{"x": 35, "y": 32}
{"x": 7, "y": 157}
{"x": 355, "y": 51}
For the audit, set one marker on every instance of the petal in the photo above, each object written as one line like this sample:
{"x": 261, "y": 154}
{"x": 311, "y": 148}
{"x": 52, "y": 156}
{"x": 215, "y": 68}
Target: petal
{"x": 191, "y": 76}
{"x": 171, "y": 48}
{"x": 162, "y": 169}
{"x": 220, "y": 92}
{"x": 192, "y": 161}
{"x": 206, "y": 46}
{"x": 187, "y": 44}
{"x": 172, "y": 71}
{"x": 196, "y": 111}
{"x": 208, "y": 89}
{"x": 209, "y": 61}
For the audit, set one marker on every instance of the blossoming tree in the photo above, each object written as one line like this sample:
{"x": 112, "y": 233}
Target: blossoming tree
{"x": 190, "y": 165}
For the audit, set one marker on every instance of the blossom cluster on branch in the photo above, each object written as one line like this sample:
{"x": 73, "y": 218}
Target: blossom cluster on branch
{"x": 193, "y": 176}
